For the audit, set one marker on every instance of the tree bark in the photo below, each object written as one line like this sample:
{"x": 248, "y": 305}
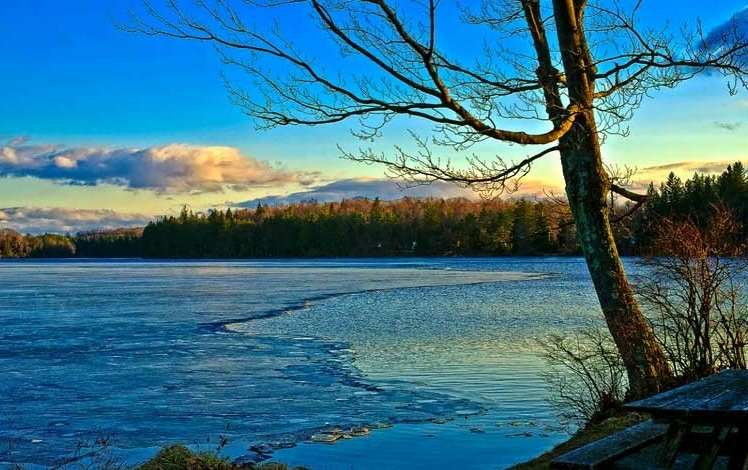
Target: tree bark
{"x": 646, "y": 365}
{"x": 587, "y": 186}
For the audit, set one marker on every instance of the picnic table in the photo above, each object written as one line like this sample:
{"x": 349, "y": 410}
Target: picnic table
{"x": 695, "y": 423}
{"x": 708, "y": 417}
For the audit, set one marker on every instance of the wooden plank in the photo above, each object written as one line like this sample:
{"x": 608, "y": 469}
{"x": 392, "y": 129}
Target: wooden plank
{"x": 600, "y": 454}
{"x": 716, "y": 399}
{"x": 706, "y": 460}
{"x": 672, "y": 443}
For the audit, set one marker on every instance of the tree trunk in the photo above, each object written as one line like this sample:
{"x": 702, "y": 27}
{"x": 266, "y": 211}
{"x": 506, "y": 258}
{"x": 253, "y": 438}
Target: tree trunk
{"x": 645, "y": 362}
{"x": 587, "y": 186}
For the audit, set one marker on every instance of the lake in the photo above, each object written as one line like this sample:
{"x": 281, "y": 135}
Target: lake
{"x": 436, "y": 356}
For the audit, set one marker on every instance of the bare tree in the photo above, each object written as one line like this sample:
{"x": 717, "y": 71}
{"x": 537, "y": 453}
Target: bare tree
{"x": 696, "y": 294}
{"x": 585, "y": 376}
{"x": 568, "y": 72}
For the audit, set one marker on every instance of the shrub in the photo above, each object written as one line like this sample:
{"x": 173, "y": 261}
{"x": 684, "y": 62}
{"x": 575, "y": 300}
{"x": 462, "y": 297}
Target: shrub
{"x": 693, "y": 297}
{"x": 179, "y": 457}
{"x": 586, "y": 376}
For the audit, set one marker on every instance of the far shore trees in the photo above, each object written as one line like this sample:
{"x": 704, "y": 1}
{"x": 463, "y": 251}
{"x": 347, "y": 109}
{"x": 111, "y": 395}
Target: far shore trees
{"x": 556, "y": 75}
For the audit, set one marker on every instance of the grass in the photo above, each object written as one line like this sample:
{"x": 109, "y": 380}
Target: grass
{"x": 179, "y": 457}
{"x": 583, "y": 436}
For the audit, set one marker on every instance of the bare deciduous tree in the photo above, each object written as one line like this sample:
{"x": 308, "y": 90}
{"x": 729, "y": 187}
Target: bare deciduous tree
{"x": 567, "y": 72}
{"x": 585, "y": 376}
{"x": 695, "y": 294}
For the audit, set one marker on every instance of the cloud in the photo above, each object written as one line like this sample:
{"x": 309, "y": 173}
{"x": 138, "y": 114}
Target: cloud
{"x": 538, "y": 189}
{"x": 384, "y": 189}
{"x": 727, "y": 35}
{"x": 174, "y": 169}
{"x": 728, "y": 126}
{"x": 387, "y": 189}
{"x": 689, "y": 167}
{"x": 37, "y": 220}
{"x": 658, "y": 173}
{"x": 20, "y": 140}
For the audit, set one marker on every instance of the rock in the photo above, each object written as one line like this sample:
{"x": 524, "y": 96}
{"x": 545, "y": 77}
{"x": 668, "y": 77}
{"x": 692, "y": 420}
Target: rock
{"x": 325, "y": 437}
{"x": 358, "y": 431}
{"x": 264, "y": 449}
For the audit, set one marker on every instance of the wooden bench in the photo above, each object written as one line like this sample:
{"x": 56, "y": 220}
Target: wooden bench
{"x": 602, "y": 453}
{"x": 707, "y": 419}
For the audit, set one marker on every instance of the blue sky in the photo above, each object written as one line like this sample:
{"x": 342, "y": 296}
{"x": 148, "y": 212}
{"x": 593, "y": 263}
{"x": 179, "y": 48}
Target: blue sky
{"x": 70, "y": 80}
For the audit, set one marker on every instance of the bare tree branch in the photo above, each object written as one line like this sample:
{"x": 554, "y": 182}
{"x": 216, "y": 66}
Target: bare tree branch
{"x": 630, "y": 195}
{"x": 560, "y": 75}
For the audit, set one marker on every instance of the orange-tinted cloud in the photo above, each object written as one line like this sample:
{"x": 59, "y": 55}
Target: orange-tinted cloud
{"x": 658, "y": 173}
{"x": 175, "y": 169}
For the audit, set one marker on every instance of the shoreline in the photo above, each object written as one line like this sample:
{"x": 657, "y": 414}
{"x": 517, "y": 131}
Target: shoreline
{"x": 489, "y": 439}
{"x": 484, "y": 441}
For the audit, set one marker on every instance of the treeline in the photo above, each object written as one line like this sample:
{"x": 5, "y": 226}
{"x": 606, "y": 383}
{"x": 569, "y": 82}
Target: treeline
{"x": 365, "y": 228}
{"x": 408, "y": 227}
{"x": 118, "y": 243}
{"x": 696, "y": 199}
{"x": 49, "y": 245}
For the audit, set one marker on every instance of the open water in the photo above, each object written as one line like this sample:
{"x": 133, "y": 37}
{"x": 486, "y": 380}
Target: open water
{"x": 436, "y": 356}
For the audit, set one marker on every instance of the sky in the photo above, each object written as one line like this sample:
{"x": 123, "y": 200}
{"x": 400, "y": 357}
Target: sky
{"x": 104, "y": 128}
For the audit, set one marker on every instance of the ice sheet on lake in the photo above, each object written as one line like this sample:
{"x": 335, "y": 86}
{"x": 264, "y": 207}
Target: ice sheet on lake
{"x": 130, "y": 351}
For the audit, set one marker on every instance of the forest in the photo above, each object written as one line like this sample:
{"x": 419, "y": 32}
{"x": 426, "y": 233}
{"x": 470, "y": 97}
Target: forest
{"x": 362, "y": 227}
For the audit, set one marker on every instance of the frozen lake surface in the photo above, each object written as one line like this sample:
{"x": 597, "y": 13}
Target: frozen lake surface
{"x": 268, "y": 353}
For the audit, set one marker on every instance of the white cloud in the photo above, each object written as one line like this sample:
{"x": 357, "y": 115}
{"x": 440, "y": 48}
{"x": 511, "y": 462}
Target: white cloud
{"x": 384, "y": 189}
{"x": 8, "y": 156}
{"x": 64, "y": 162}
{"x": 37, "y": 220}
{"x": 174, "y": 169}
{"x": 388, "y": 189}
{"x": 684, "y": 170}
